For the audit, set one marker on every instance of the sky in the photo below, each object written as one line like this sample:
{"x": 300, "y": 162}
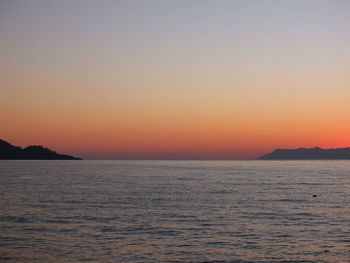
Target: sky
{"x": 184, "y": 79}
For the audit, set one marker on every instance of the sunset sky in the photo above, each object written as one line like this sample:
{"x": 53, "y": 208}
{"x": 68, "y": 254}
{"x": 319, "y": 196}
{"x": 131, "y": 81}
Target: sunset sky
{"x": 184, "y": 79}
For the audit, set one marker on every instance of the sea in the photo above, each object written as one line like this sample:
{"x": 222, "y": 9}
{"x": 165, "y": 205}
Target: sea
{"x": 175, "y": 211}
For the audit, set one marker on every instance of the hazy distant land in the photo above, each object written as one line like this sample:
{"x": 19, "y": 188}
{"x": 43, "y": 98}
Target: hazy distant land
{"x": 37, "y": 152}
{"x": 308, "y": 154}
{"x": 33, "y": 152}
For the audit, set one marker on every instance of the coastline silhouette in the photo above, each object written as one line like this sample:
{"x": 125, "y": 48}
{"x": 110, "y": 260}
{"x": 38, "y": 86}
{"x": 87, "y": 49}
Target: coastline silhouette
{"x": 308, "y": 154}
{"x": 33, "y": 152}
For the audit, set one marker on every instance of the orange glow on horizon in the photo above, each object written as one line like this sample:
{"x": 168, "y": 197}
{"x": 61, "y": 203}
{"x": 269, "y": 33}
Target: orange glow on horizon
{"x": 228, "y": 82}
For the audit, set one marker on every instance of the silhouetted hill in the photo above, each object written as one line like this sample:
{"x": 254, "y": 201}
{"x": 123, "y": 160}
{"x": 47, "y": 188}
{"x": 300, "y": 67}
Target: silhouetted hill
{"x": 10, "y": 152}
{"x": 308, "y": 154}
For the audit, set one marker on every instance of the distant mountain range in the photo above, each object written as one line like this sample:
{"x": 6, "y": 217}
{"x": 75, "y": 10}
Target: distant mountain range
{"x": 308, "y": 154}
{"x": 10, "y": 152}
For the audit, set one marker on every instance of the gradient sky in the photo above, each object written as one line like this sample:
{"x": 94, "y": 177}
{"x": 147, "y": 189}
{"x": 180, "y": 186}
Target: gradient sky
{"x": 175, "y": 79}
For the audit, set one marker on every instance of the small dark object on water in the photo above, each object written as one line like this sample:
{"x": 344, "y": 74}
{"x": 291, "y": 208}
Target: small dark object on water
{"x": 314, "y": 196}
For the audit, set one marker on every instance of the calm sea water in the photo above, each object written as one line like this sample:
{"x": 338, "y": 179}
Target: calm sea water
{"x": 175, "y": 211}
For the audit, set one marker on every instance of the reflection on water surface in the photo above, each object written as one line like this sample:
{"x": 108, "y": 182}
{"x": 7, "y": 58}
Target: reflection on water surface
{"x": 175, "y": 211}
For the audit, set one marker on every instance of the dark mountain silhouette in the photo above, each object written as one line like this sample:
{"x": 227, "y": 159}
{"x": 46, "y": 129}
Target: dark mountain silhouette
{"x": 308, "y": 154}
{"x": 10, "y": 152}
